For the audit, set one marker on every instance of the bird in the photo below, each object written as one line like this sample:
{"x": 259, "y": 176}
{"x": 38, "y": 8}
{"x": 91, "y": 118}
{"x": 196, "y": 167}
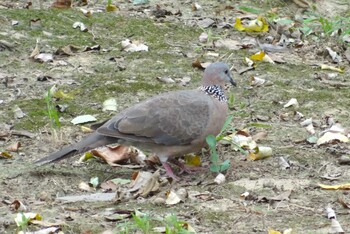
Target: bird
{"x": 169, "y": 125}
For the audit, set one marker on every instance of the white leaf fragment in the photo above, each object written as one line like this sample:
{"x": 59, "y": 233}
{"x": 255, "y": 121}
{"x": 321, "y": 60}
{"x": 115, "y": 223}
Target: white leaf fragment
{"x": 220, "y": 178}
{"x": 83, "y": 119}
{"x": 133, "y": 46}
{"x": 292, "y": 102}
{"x": 110, "y": 105}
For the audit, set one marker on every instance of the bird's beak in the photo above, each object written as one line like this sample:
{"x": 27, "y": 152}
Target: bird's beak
{"x": 233, "y": 82}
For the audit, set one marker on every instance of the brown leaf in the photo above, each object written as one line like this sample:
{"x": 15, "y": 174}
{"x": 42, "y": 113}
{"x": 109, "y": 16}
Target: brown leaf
{"x": 14, "y": 147}
{"x": 109, "y": 185}
{"x": 113, "y": 155}
{"x": 62, "y": 4}
{"x": 259, "y": 136}
{"x": 344, "y": 203}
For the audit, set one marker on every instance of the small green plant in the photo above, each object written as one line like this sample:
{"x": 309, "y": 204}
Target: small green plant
{"x": 52, "y": 112}
{"x": 216, "y": 165}
{"x": 142, "y": 222}
{"x": 175, "y": 226}
{"x": 145, "y": 224}
{"x": 327, "y": 25}
{"x": 22, "y": 221}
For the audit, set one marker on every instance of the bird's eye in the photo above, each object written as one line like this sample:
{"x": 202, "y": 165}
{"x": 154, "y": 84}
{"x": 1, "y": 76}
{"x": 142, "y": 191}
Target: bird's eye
{"x": 226, "y": 72}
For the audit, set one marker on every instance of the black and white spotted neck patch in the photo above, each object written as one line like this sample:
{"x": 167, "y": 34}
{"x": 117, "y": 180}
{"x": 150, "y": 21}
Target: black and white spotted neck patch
{"x": 215, "y": 91}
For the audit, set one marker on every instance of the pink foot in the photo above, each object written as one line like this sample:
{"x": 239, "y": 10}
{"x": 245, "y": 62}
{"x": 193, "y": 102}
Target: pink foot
{"x": 184, "y": 168}
{"x": 169, "y": 171}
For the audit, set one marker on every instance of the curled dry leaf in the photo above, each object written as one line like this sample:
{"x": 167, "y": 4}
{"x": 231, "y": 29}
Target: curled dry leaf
{"x": 310, "y": 129}
{"x": 80, "y": 25}
{"x": 133, "y": 46}
{"x": 85, "y": 187}
{"x": 292, "y": 102}
{"x": 335, "y": 187}
{"x": 284, "y": 163}
{"x": 256, "y": 81}
{"x": 152, "y": 160}
{"x": 260, "y": 152}
{"x": 86, "y": 13}
{"x": 327, "y": 67}
{"x": 220, "y": 178}
{"x": 4, "y": 154}
{"x": 330, "y": 213}
{"x": 249, "y": 62}
{"x": 112, "y": 155}
{"x": 18, "y": 206}
{"x": 62, "y": 4}
{"x": 13, "y": 147}
{"x": 167, "y": 80}
{"x": 200, "y": 65}
{"x": 306, "y": 122}
{"x": 336, "y": 227}
{"x": 145, "y": 183}
{"x": 196, "y": 7}
{"x": 330, "y": 137}
{"x": 335, "y": 57}
{"x": 257, "y": 25}
{"x": 172, "y": 198}
{"x": 83, "y": 119}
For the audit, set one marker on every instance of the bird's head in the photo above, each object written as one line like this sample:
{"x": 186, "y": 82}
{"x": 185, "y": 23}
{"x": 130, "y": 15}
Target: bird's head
{"x": 217, "y": 74}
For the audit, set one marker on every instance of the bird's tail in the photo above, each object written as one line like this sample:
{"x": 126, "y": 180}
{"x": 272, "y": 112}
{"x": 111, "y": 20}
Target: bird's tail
{"x": 90, "y": 142}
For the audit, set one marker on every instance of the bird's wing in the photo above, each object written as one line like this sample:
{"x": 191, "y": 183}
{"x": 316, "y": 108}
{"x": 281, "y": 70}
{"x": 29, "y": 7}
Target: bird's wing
{"x": 174, "y": 118}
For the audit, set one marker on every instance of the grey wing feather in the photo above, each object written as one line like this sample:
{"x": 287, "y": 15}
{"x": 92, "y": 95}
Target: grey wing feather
{"x": 174, "y": 118}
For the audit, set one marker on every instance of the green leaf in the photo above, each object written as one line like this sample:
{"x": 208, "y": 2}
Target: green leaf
{"x": 226, "y": 124}
{"x": 211, "y": 141}
{"x": 225, "y": 165}
{"x": 259, "y": 125}
{"x": 250, "y": 10}
{"x": 94, "y": 181}
{"x": 214, "y": 168}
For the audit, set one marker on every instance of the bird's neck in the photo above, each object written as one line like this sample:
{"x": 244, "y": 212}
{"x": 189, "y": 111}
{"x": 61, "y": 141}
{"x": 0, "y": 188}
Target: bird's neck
{"x": 215, "y": 91}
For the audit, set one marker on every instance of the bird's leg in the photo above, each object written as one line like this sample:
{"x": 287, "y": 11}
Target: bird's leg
{"x": 169, "y": 171}
{"x": 185, "y": 168}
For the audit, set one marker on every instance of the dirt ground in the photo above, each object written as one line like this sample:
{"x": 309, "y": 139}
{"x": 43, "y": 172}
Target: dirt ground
{"x": 280, "y": 198}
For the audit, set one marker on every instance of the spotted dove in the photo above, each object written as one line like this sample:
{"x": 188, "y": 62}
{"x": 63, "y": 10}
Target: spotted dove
{"x": 170, "y": 124}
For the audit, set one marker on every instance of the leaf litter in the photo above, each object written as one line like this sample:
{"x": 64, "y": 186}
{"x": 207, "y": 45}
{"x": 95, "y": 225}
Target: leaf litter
{"x": 251, "y": 171}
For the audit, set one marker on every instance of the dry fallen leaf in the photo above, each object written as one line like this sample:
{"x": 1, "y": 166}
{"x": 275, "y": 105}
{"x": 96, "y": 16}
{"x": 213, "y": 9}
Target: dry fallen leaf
{"x": 13, "y": 147}
{"x": 172, "y": 198}
{"x": 258, "y": 25}
{"x": 220, "y": 178}
{"x": 335, "y": 187}
{"x": 292, "y": 102}
{"x": 112, "y": 155}
{"x": 17, "y": 205}
{"x": 133, "y": 46}
{"x": 330, "y": 137}
{"x": 260, "y": 152}
{"x": 144, "y": 183}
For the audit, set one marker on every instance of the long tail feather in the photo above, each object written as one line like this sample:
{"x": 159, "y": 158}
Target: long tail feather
{"x": 90, "y": 142}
